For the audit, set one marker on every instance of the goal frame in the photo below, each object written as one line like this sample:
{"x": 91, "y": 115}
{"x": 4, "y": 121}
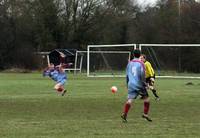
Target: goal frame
{"x": 106, "y": 46}
{"x": 171, "y": 45}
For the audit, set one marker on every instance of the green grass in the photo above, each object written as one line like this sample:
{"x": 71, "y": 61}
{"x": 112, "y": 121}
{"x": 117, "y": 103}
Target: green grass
{"x": 29, "y": 108}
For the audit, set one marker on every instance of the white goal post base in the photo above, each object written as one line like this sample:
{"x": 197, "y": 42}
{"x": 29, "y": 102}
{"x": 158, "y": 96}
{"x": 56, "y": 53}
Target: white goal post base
{"x": 178, "y": 77}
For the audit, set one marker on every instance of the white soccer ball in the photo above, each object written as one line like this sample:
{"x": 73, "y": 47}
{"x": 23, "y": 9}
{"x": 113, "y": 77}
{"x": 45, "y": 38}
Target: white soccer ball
{"x": 113, "y": 89}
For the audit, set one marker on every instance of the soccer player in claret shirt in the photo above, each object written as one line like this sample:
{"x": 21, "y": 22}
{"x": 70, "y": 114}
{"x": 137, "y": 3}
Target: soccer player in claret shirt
{"x": 135, "y": 76}
{"x": 150, "y": 76}
{"x": 58, "y": 74}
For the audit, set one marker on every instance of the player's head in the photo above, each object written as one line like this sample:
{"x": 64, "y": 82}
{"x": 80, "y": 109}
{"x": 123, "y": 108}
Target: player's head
{"x": 136, "y": 53}
{"x": 143, "y": 57}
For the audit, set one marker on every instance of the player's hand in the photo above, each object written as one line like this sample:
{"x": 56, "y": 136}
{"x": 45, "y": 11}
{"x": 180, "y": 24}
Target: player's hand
{"x": 152, "y": 79}
{"x": 70, "y": 64}
{"x": 58, "y": 66}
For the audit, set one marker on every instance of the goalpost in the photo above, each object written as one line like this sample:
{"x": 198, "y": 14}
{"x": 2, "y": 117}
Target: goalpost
{"x": 108, "y": 60}
{"x": 169, "y": 60}
{"x": 81, "y": 58}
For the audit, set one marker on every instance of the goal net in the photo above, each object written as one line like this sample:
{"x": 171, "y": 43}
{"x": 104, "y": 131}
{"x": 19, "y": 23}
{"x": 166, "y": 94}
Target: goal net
{"x": 173, "y": 60}
{"x": 108, "y": 60}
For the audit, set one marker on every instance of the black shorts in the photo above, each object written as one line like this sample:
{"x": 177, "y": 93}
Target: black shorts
{"x": 143, "y": 93}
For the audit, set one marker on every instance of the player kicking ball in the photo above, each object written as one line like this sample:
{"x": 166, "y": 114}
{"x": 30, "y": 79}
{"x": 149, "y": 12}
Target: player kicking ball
{"x": 58, "y": 74}
{"x": 135, "y": 77}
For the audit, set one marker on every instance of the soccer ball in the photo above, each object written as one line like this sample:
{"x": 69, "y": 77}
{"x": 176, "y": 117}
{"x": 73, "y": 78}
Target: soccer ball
{"x": 113, "y": 89}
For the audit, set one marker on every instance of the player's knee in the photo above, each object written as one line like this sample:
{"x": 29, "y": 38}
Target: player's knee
{"x": 129, "y": 101}
{"x": 56, "y": 87}
{"x": 146, "y": 99}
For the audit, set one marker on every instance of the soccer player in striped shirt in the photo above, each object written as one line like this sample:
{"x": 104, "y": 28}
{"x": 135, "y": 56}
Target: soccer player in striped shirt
{"x": 57, "y": 73}
{"x": 135, "y": 77}
{"x": 150, "y": 76}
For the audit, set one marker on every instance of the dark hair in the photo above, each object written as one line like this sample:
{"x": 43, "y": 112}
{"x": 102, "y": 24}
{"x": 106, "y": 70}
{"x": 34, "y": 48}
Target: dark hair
{"x": 136, "y": 53}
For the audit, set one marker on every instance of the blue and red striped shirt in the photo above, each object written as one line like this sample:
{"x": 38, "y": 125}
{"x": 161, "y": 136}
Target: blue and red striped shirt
{"x": 135, "y": 73}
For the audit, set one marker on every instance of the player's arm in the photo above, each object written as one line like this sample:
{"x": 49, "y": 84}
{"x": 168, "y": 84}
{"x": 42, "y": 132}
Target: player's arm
{"x": 62, "y": 66}
{"x": 59, "y": 68}
{"x": 62, "y": 57}
{"x": 150, "y": 69}
{"x": 151, "y": 73}
{"x": 67, "y": 65}
{"x": 127, "y": 78}
{"x": 46, "y": 72}
{"x": 62, "y": 62}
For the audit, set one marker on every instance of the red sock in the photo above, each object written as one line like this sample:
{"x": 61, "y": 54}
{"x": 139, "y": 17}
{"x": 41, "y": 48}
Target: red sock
{"x": 146, "y": 107}
{"x": 126, "y": 108}
{"x": 60, "y": 89}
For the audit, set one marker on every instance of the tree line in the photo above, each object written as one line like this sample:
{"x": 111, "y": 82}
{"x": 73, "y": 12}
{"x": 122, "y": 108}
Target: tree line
{"x": 29, "y": 26}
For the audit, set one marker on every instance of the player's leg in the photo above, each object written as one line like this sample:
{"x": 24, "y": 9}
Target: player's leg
{"x": 127, "y": 107}
{"x": 60, "y": 88}
{"x": 146, "y": 109}
{"x": 155, "y": 94}
{"x": 131, "y": 95}
{"x": 146, "y": 105}
{"x": 63, "y": 83}
{"x": 152, "y": 88}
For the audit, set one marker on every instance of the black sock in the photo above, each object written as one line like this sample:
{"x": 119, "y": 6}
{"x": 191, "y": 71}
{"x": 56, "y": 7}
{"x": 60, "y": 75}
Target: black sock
{"x": 154, "y": 93}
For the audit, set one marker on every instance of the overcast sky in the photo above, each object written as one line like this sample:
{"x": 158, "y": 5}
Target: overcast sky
{"x": 151, "y": 2}
{"x": 144, "y": 3}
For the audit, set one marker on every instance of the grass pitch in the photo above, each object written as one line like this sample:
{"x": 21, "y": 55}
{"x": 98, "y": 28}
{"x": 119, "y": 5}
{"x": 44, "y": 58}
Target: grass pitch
{"x": 30, "y": 108}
